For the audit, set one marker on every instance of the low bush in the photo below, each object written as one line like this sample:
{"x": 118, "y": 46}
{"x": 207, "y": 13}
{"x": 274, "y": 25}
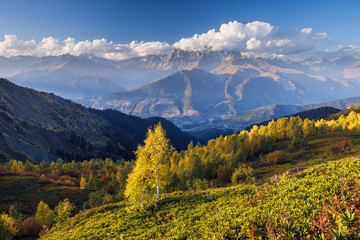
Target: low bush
{"x": 277, "y": 157}
{"x": 31, "y": 227}
{"x": 243, "y": 174}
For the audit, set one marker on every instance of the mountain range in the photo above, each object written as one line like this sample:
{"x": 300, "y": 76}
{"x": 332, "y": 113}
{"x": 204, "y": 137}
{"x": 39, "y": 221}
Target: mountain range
{"x": 87, "y": 75}
{"x": 189, "y": 88}
{"x": 79, "y": 76}
{"x": 237, "y": 85}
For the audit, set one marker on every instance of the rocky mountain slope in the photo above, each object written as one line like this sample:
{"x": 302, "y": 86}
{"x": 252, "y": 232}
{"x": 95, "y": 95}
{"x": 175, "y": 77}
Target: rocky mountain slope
{"x": 239, "y": 84}
{"x": 88, "y": 75}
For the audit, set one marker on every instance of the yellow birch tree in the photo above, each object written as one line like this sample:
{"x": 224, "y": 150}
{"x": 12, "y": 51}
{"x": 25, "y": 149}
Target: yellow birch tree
{"x": 151, "y": 170}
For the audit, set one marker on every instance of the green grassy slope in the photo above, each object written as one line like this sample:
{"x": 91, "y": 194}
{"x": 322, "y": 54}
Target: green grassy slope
{"x": 25, "y": 192}
{"x": 316, "y": 151}
{"x": 224, "y": 213}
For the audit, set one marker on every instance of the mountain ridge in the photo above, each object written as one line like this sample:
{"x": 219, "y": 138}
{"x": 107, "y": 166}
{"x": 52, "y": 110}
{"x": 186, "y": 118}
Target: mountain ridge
{"x": 138, "y": 71}
{"x": 198, "y": 93}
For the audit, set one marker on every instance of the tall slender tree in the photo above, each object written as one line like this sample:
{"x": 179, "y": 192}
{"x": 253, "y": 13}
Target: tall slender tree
{"x": 152, "y": 167}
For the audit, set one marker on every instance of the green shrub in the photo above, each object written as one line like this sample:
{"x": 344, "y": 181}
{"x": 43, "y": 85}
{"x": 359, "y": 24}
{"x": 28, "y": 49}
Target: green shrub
{"x": 297, "y": 142}
{"x": 243, "y": 174}
{"x": 98, "y": 198}
{"x": 13, "y": 212}
{"x": 5, "y": 232}
{"x": 200, "y": 184}
{"x": 306, "y": 204}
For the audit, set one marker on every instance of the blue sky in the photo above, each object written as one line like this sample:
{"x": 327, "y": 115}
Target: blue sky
{"x": 169, "y": 21}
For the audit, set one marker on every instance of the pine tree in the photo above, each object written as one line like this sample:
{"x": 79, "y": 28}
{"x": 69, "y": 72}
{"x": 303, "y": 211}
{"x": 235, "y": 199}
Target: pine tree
{"x": 151, "y": 169}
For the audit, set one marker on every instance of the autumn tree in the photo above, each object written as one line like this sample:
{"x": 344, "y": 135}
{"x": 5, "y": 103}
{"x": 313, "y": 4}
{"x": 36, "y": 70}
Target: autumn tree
{"x": 94, "y": 183}
{"x": 281, "y": 128}
{"x": 44, "y": 214}
{"x": 8, "y": 224}
{"x": 295, "y": 128}
{"x": 63, "y": 211}
{"x": 119, "y": 183}
{"x": 5, "y": 232}
{"x": 82, "y": 182}
{"x": 308, "y": 127}
{"x": 151, "y": 169}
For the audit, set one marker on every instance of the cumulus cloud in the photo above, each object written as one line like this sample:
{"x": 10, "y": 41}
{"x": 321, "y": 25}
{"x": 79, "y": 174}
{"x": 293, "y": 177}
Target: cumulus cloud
{"x": 258, "y": 38}
{"x": 255, "y": 38}
{"x": 50, "y": 46}
{"x": 252, "y": 44}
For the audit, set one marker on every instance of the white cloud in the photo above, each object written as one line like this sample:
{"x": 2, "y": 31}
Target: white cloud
{"x": 144, "y": 48}
{"x": 12, "y": 47}
{"x": 50, "y": 46}
{"x": 255, "y": 38}
{"x": 306, "y": 30}
{"x": 258, "y": 38}
{"x": 252, "y": 44}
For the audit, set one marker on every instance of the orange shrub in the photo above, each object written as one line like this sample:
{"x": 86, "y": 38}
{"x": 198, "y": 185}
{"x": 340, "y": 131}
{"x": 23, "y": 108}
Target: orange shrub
{"x": 344, "y": 146}
{"x": 69, "y": 182}
{"x": 224, "y": 172}
{"x": 30, "y": 227}
{"x": 277, "y": 157}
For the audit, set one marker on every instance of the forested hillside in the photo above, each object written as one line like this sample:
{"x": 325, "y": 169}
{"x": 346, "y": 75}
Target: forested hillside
{"x": 41, "y": 126}
{"x": 313, "y": 114}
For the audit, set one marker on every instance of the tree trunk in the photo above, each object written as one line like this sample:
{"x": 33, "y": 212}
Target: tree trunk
{"x": 157, "y": 185}
{"x": 142, "y": 196}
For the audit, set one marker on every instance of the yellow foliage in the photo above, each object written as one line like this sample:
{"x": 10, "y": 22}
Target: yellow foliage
{"x": 10, "y": 223}
{"x": 152, "y": 166}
